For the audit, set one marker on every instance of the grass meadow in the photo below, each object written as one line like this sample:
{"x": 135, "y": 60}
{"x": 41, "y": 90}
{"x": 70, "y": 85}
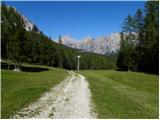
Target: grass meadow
{"x": 115, "y": 94}
{"x": 124, "y": 94}
{"x": 22, "y": 88}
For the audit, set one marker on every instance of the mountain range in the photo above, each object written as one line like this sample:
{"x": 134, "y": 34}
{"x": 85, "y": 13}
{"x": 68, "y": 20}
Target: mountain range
{"x": 101, "y": 45}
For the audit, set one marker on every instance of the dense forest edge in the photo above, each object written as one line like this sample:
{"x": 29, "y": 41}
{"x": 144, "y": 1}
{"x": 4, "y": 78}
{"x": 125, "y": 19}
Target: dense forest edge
{"x": 139, "y": 46}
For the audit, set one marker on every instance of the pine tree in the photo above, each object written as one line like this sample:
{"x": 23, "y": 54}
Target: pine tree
{"x": 140, "y": 44}
{"x": 60, "y": 39}
{"x": 139, "y": 29}
{"x": 126, "y": 57}
{"x": 120, "y": 60}
{"x": 151, "y": 57}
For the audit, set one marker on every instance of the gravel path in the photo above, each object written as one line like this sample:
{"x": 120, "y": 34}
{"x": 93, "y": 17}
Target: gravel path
{"x": 69, "y": 99}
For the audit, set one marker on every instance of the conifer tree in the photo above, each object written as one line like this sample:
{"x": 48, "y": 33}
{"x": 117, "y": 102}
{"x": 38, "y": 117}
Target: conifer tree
{"x": 151, "y": 44}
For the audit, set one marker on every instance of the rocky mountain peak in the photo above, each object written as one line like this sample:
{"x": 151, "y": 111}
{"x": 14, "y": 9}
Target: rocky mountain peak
{"x": 28, "y": 25}
{"x": 101, "y": 45}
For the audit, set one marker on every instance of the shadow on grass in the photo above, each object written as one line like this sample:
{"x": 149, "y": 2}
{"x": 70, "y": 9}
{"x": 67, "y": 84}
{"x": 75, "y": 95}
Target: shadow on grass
{"x": 146, "y": 72}
{"x": 24, "y": 68}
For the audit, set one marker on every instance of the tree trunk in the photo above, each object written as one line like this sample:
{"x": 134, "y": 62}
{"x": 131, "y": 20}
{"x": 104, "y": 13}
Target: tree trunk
{"x": 8, "y": 56}
{"x": 41, "y": 59}
{"x": 8, "y": 66}
{"x": 15, "y": 66}
{"x": 20, "y": 66}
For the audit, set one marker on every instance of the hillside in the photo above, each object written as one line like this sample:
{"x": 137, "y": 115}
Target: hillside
{"x": 22, "y": 41}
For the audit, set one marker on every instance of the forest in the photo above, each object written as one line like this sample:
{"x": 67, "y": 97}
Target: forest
{"x": 139, "y": 47}
{"x": 20, "y": 46}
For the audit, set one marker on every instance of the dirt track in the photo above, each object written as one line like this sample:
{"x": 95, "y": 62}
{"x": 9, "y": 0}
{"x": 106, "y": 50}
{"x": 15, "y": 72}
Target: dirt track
{"x": 69, "y": 99}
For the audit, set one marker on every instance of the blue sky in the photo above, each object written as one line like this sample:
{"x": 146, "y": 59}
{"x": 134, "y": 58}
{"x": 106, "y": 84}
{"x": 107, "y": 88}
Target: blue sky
{"x": 78, "y": 19}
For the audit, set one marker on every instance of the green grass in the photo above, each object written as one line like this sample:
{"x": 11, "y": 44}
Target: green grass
{"x": 21, "y": 88}
{"x": 124, "y": 94}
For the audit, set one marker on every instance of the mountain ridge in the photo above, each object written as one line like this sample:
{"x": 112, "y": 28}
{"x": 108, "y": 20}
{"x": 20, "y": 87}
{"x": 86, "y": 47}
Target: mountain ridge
{"x": 103, "y": 44}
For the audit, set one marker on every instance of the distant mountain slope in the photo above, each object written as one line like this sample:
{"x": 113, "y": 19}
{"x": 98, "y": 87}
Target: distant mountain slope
{"x": 101, "y": 45}
{"x": 22, "y": 41}
{"x": 17, "y": 19}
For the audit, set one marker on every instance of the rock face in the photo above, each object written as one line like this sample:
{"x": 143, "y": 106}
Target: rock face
{"x": 101, "y": 45}
{"x": 28, "y": 25}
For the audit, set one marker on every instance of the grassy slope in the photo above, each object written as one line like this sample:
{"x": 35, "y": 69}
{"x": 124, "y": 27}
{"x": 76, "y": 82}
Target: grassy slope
{"x": 21, "y": 88}
{"x": 124, "y": 94}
